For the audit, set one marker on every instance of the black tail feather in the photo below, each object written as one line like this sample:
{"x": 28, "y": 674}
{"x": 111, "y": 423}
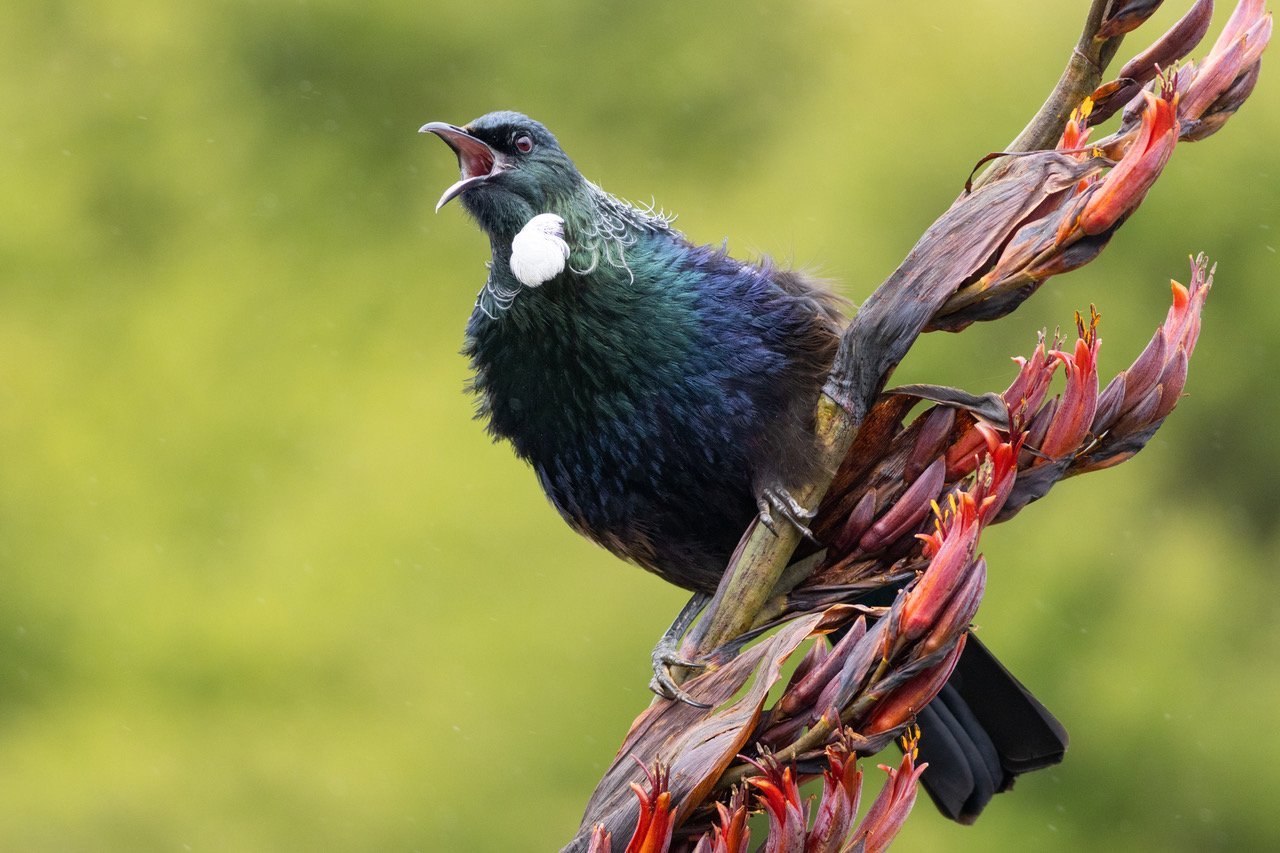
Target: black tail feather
{"x": 981, "y": 732}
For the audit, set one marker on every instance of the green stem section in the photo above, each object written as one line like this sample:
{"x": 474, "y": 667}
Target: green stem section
{"x": 1083, "y": 74}
{"x": 762, "y": 558}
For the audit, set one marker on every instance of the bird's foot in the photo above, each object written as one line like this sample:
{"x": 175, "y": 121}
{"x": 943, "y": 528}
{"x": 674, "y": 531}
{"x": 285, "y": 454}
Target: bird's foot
{"x": 666, "y": 655}
{"x": 777, "y": 500}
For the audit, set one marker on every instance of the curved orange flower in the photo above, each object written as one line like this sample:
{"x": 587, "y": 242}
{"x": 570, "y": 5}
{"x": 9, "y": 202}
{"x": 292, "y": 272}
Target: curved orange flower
{"x": 1124, "y": 187}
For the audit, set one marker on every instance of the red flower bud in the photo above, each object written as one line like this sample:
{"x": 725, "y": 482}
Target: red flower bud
{"x": 1028, "y": 389}
{"x": 780, "y": 798}
{"x": 908, "y": 511}
{"x": 657, "y": 818}
{"x": 1079, "y": 402}
{"x": 901, "y": 705}
{"x": 955, "y": 619}
{"x": 1125, "y": 16}
{"x": 891, "y": 807}
{"x": 1177, "y": 42}
{"x": 936, "y": 426}
{"x": 730, "y": 835}
{"x": 856, "y": 524}
{"x": 1119, "y": 192}
{"x": 1246, "y": 34}
{"x": 950, "y": 551}
{"x": 1150, "y": 388}
{"x": 841, "y": 790}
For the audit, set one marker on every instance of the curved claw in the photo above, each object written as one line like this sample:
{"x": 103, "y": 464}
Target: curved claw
{"x": 665, "y": 656}
{"x": 776, "y": 499}
{"x": 662, "y": 684}
{"x": 766, "y": 517}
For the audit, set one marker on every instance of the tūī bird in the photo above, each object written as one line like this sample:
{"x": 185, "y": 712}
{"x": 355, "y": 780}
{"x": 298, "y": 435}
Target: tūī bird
{"x": 664, "y": 394}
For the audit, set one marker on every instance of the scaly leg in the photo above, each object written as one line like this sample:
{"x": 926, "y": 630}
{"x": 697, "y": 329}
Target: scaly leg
{"x": 667, "y": 653}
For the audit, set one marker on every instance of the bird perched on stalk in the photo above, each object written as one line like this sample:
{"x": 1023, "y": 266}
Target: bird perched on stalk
{"x": 663, "y": 393}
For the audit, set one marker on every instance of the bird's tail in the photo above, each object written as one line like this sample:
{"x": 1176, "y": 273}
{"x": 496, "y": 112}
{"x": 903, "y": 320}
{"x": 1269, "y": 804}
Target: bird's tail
{"x": 980, "y": 733}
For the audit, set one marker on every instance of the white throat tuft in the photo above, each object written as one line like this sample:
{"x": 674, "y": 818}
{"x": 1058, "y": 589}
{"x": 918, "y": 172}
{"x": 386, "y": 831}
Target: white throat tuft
{"x": 539, "y": 251}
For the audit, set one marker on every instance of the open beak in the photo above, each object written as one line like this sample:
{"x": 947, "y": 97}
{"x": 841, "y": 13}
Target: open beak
{"x": 476, "y": 160}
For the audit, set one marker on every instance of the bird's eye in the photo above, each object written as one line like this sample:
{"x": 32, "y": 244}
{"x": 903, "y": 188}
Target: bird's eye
{"x": 524, "y": 143}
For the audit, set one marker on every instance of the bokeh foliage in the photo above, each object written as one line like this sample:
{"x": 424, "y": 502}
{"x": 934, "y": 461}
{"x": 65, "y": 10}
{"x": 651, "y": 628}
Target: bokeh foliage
{"x": 266, "y": 586}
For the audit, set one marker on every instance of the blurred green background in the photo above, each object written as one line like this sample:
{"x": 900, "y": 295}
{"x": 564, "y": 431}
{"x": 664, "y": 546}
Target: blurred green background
{"x": 266, "y": 586}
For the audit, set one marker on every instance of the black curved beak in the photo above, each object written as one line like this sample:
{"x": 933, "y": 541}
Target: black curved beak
{"x": 476, "y": 160}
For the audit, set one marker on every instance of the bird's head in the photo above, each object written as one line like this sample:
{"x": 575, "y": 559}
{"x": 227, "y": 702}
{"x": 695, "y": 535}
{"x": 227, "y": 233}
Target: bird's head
{"x": 512, "y": 168}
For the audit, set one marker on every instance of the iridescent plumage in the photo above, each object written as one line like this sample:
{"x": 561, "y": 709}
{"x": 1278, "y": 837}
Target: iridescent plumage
{"x": 663, "y": 391}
